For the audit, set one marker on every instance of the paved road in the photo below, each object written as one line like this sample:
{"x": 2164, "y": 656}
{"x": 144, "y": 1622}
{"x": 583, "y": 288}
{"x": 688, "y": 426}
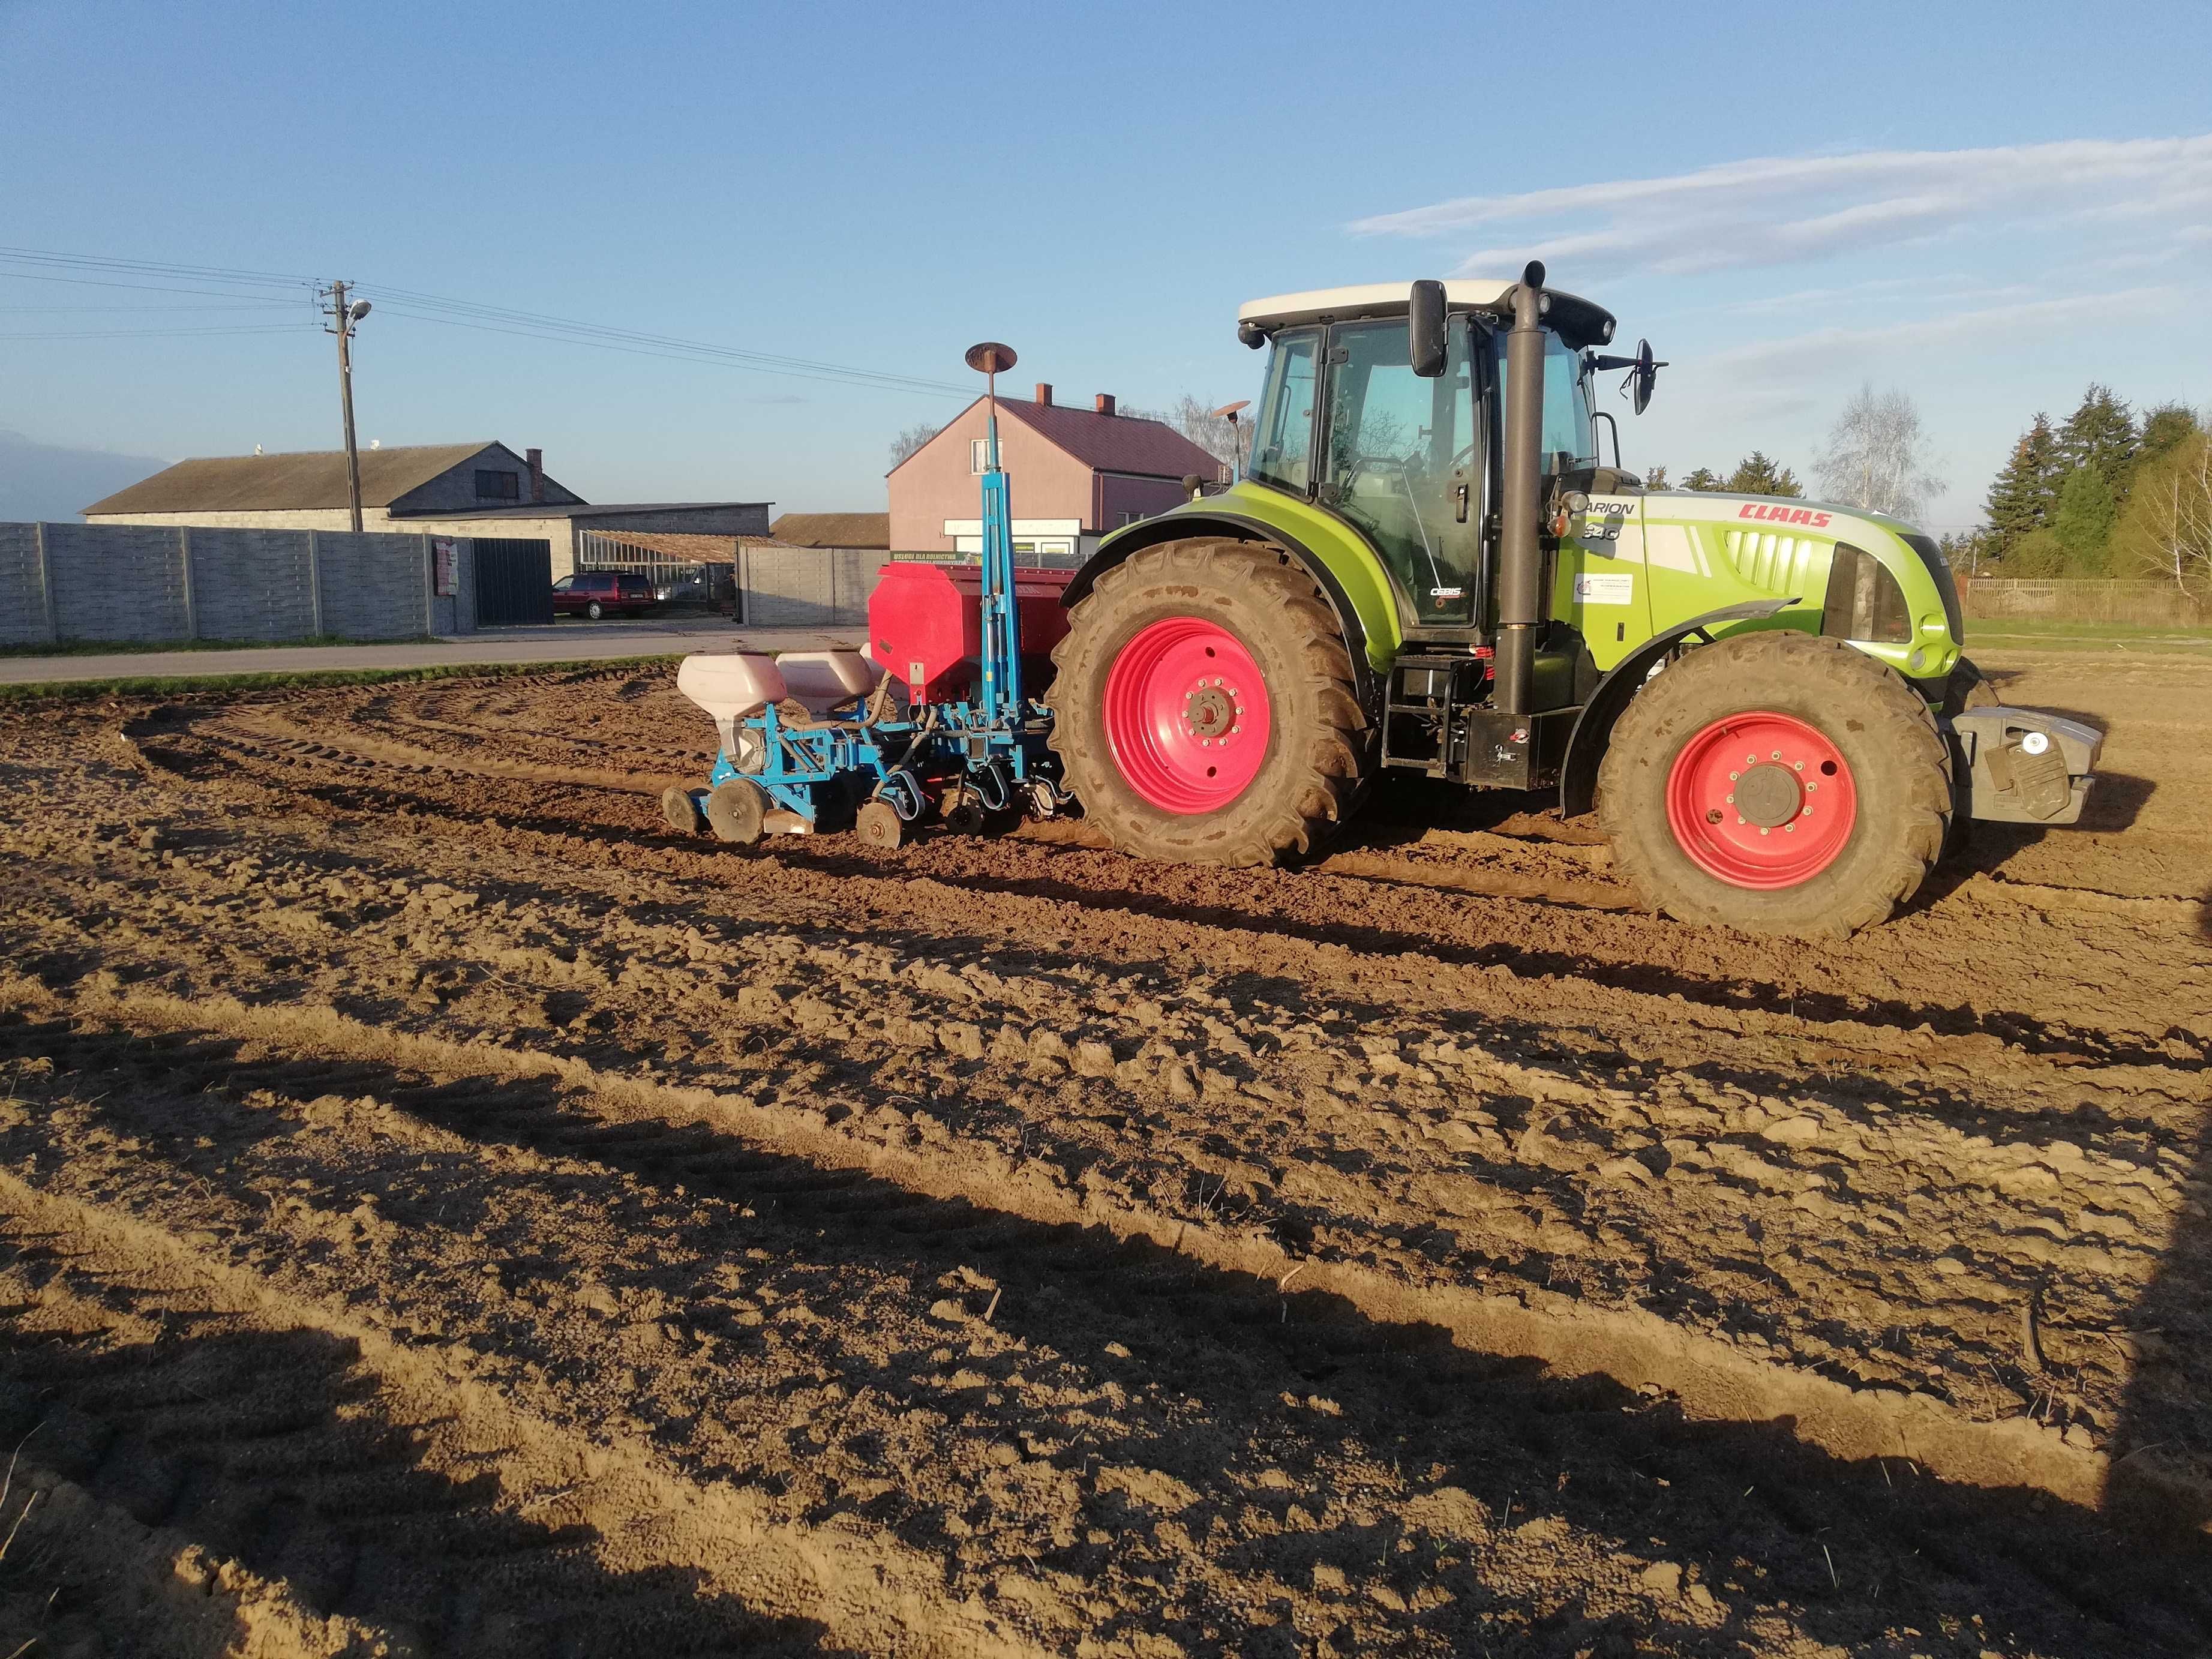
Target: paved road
{"x": 562, "y": 642}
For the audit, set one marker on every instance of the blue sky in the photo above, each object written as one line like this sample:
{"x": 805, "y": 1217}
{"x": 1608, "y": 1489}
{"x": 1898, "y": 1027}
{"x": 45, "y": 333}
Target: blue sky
{"x": 1986, "y": 205}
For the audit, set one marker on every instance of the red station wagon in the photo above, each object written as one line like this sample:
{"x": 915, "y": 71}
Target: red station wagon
{"x": 597, "y": 594}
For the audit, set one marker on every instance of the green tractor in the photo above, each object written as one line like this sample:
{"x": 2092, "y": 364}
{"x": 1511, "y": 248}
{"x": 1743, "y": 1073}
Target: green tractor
{"x": 1425, "y": 566}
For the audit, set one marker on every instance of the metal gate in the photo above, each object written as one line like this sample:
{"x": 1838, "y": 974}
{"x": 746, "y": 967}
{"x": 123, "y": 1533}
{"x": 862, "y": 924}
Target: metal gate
{"x": 514, "y": 581}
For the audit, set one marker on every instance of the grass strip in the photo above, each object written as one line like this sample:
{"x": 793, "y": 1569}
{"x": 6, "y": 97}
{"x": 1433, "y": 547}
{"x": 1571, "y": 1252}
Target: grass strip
{"x": 165, "y": 686}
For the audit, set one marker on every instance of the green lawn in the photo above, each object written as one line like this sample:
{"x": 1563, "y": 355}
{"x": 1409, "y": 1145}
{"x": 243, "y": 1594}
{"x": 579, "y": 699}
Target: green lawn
{"x": 2036, "y": 633}
{"x": 120, "y": 647}
{"x": 187, "y": 685}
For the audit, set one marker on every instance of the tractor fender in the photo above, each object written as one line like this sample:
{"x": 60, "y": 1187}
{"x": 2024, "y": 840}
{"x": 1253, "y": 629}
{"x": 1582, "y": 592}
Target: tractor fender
{"x": 1183, "y": 526}
{"x": 1593, "y": 730}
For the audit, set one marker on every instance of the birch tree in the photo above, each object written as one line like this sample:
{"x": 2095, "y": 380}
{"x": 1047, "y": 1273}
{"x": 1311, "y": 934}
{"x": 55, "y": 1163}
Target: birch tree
{"x": 1877, "y": 456}
{"x": 2168, "y": 531}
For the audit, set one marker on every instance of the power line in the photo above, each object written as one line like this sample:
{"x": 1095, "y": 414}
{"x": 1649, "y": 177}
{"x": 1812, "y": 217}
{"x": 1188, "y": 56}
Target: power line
{"x": 164, "y": 277}
{"x": 138, "y": 310}
{"x": 153, "y": 333}
{"x": 149, "y": 267}
{"x": 144, "y": 288}
{"x": 712, "y": 356}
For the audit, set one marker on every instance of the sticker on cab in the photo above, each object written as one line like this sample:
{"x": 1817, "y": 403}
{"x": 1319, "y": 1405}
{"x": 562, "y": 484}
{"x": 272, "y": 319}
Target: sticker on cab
{"x": 1604, "y": 589}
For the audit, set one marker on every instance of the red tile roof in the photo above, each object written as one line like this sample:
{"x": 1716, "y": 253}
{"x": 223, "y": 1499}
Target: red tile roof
{"x": 1115, "y": 443}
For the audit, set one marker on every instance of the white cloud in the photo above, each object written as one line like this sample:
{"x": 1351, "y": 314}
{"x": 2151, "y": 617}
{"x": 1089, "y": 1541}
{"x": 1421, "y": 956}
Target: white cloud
{"x": 1834, "y": 347}
{"x": 1784, "y": 209}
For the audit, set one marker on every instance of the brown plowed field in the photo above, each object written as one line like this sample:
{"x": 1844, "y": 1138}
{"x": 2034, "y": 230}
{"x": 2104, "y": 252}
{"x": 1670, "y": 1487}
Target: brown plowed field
{"x": 443, "y": 1212}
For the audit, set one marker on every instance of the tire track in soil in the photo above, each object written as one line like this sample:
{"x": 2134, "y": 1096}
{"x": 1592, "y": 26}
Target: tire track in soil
{"x": 996, "y": 905}
{"x": 2050, "y": 1580}
{"x": 1975, "y": 1333}
{"x": 1365, "y": 1365}
{"x": 1324, "y": 911}
{"x": 327, "y": 1489}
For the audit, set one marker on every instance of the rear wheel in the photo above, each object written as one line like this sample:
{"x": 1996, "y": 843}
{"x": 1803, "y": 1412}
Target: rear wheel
{"x": 1203, "y": 706}
{"x": 593, "y": 610}
{"x": 1776, "y": 783}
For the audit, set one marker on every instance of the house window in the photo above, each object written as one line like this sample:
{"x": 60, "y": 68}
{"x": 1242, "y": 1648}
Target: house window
{"x": 1128, "y": 519}
{"x": 979, "y": 455}
{"x": 495, "y": 486}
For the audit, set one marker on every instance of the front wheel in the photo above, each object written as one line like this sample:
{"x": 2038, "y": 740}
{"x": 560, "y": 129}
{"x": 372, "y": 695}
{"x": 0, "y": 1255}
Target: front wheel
{"x": 1777, "y": 783}
{"x": 1203, "y": 706}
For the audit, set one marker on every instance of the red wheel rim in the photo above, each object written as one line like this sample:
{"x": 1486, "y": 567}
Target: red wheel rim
{"x": 1761, "y": 800}
{"x": 1187, "y": 715}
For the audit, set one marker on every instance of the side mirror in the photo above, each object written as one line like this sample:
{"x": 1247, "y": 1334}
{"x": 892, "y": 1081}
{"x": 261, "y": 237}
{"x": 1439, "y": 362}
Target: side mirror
{"x": 1647, "y": 375}
{"x": 1424, "y": 330}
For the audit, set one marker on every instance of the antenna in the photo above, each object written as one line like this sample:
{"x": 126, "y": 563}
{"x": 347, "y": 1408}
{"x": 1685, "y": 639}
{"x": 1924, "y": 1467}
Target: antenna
{"x": 991, "y": 360}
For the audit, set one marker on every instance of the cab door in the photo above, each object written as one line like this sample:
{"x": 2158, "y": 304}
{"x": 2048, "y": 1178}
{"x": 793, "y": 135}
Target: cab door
{"x": 1402, "y": 464}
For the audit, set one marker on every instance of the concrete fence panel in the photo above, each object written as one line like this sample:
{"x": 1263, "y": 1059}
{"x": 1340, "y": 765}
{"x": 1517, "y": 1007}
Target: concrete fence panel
{"x": 117, "y": 582}
{"x": 251, "y": 584}
{"x": 374, "y": 588}
{"x": 23, "y": 619}
{"x": 823, "y": 587}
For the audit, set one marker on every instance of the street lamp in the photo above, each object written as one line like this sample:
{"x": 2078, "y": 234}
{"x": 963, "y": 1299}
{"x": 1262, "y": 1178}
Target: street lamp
{"x": 345, "y": 317}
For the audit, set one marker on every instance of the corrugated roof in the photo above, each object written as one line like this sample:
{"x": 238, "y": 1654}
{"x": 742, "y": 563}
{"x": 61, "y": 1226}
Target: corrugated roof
{"x": 691, "y": 547}
{"x": 869, "y": 529}
{"x": 567, "y": 510}
{"x": 276, "y": 484}
{"x": 1115, "y": 443}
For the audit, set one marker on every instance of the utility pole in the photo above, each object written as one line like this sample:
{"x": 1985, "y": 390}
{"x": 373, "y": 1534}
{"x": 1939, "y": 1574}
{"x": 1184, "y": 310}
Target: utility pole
{"x": 345, "y": 317}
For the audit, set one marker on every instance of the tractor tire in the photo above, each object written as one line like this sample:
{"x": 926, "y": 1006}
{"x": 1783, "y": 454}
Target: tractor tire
{"x": 1204, "y": 708}
{"x": 1711, "y": 787}
{"x": 738, "y": 811}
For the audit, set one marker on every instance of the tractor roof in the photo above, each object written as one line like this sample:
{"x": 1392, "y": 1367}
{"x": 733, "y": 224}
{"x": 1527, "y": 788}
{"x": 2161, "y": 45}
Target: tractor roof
{"x": 1574, "y": 320}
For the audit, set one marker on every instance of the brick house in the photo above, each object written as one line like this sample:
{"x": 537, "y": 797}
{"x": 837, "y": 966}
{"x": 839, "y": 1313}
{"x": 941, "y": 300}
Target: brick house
{"x": 1077, "y": 474}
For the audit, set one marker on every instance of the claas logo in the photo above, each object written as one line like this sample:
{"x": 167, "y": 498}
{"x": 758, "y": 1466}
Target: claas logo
{"x": 1767, "y": 510}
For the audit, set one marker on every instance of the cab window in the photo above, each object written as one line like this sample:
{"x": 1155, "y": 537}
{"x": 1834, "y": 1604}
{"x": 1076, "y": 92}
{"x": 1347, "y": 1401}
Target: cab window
{"x": 1282, "y": 447}
{"x": 1402, "y": 464}
{"x": 1568, "y": 440}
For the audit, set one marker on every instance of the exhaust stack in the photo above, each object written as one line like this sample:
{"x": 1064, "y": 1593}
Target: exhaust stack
{"x": 1520, "y": 553}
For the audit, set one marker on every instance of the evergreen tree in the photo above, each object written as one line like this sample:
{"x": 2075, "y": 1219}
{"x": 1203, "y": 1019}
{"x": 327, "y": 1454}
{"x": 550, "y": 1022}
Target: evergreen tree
{"x": 2022, "y": 498}
{"x": 1706, "y": 479}
{"x": 2100, "y": 433}
{"x": 1755, "y": 475}
{"x": 2083, "y": 522}
{"x": 2165, "y": 429}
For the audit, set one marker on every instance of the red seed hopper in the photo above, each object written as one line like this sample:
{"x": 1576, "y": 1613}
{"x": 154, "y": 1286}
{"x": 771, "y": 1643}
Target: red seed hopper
{"x": 926, "y": 626}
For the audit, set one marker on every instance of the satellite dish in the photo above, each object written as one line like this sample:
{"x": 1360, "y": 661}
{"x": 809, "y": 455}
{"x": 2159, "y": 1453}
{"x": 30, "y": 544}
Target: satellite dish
{"x": 990, "y": 357}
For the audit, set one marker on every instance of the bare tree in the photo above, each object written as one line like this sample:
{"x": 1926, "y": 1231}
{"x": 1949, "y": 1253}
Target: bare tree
{"x": 912, "y": 439}
{"x": 1197, "y": 422}
{"x": 2168, "y": 530}
{"x": 1877, "y": 456}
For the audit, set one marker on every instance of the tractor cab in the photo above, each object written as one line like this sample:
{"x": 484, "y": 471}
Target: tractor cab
{"x": 1348, "y": 422}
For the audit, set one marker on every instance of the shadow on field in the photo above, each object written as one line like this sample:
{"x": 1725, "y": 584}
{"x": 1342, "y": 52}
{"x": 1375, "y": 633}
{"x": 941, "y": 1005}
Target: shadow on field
{"x": 269, "y": 1448}
{"x": 2161, "y": 1447}
{"x": 1854, "y": 1549}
